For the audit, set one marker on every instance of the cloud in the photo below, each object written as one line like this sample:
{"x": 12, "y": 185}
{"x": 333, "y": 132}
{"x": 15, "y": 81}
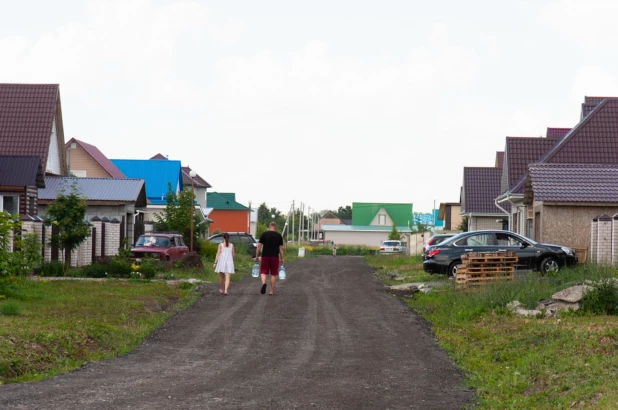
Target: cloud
{"x": 593, "y": 81}
{"x": 229, "y": 33}
{"x": 590, "y": 23}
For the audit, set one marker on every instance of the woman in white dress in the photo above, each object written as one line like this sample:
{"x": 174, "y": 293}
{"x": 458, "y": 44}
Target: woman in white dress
{"x": 224, "y": 263}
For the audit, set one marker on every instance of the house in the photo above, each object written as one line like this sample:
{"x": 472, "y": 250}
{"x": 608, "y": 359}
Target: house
{"x": 200, "y": 186}
{"x": 20, "y": 180}
{"x": 581, "y": 169}
{"x": 31, "y": 124}
{"x": 449, "y": 213}
{"x": 371, "y": 224}
{"x": 159, "y": 176}
{"x": 85, "y": 160}
{"x": 109, "y": 198}
{"x": 227, "y": 214}
{"x": 481, "y": 185}
{"x": 519, "y": 152}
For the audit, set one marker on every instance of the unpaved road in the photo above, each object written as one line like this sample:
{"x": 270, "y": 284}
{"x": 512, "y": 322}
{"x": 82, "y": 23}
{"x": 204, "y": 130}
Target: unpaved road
{"x": 332, "y": 338}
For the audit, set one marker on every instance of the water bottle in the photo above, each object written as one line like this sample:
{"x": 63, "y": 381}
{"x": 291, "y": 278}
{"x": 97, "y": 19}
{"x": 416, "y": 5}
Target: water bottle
{"x": 255, "y": 272}
{"x": 281, "y": 272}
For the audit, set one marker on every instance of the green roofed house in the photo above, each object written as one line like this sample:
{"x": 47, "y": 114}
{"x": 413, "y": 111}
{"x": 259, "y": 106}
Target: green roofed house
{"x": 371, "y": 224}
{"x": 227, "y": 214}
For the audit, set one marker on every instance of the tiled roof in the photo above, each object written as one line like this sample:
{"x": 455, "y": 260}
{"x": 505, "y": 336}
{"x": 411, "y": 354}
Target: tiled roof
{"x": 587, "y": 109}
{"x": 21, "y": 171}
{"x": 481, "y": 186}
{"x": 97, "y": 189}
{"x": 520, "y": 153}
{"x": 198, "y": 181}
{"x": 224, "y": 201}
{"x": 593, "y": 141}
{"x": 575, "y": 182}
{"x": 159, "y": 156}
{"x": 27, "y": 113}
{"x": 499, "y": 159}
{"x": 157, "y": 174}
{"x": 98, "y": 156}
{"x": 557, "y": 132}
{"x": 594, "y": 100}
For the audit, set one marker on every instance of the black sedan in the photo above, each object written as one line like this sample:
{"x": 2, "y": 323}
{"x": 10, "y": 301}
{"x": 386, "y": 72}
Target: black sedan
{"x": 444, "y": 257}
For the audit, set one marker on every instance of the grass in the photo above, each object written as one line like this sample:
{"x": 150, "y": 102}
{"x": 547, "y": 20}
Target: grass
{"x": 408, "y": 267}
{"x": 570, "y": 361}
{"x": 62, "y": 325}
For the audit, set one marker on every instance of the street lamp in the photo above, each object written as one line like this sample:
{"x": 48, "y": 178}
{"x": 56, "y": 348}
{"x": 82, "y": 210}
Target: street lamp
{"x": 192, "y": 174}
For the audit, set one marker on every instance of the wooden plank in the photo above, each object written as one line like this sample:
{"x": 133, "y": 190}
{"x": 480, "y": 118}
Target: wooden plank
{"x": 490, "y": 269}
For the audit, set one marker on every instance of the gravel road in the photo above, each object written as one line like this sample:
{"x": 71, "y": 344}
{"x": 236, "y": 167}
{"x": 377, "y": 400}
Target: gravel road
{"x": 331, "y": 338}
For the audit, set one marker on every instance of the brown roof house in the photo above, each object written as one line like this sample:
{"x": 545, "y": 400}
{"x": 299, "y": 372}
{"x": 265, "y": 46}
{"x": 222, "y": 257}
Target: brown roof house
{"x": 86, "y": 160}
{"x": 31, "y": 124}
{"x": 519, "y": 152}
{"x": 20, "y": 180}
{"x": 575, "y": 181}
{"x": 481, "y": 185}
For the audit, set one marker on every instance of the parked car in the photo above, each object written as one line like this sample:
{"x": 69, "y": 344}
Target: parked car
{"x": 444, "y": 257}
{"x": 437, "y": 239}
{"x": 239, "y": 239}
{"x": 389, "y": 247}
{"x": 164, "y": 246}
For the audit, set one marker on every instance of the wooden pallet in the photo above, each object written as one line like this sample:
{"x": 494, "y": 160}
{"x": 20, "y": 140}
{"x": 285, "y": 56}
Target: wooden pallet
{"x": 479, "y": 268}
{"x": 489, "y": 254}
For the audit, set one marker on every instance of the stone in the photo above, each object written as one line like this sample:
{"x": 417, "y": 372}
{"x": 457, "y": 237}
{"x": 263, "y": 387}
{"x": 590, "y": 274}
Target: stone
{"x": 551, "y": 307}
{"x": 513, "y": 306}
{"x": 405, "y": 286}
{"x": 573, "y": 294}
{"x": 527, "y": 312}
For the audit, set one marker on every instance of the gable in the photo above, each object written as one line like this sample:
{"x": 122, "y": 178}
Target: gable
{"x": 30, "y": 117}
{"x": 481, "y": 186}
{"x": 522, "y": 151}
{"x": 98, "y": 162}
{"x": 363, "y": 213}
{"x": 382, "y": 218}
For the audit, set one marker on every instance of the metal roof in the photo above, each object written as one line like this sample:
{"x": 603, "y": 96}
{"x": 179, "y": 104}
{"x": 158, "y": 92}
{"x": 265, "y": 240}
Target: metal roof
{"x": 157, "y": 174}
{"x": 364, "y": 228}
{"x": 98, "y": 156}
{"x": 97, "y": 189}
{"x": 224, "y": 201}
{"x": 21, "y": 171}
{"x": 364, "y": 212}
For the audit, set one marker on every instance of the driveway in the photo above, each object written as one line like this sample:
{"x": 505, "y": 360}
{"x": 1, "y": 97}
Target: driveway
{"x": 331, "y": 338}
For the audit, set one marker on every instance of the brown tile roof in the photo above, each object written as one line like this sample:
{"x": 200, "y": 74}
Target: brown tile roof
{"x": 520, "y": 152}
{"x": 198, "y": 181}
{"x": 574, "y": 182}
{"x": 499, "y": 159}
{"x": 557, "y": 132}
{"x": 481, "y": 186}
{"x": 27, "y": 113}
{"x": 159, "y": 156}
{"x": 593, "y": 141}
{"x": 21, "y": 171}
{"x": 98, "y": 156}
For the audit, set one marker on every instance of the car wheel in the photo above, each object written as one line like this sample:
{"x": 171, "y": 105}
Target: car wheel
{"x": 549, "y": 264}
{"x": 452, "y": 268}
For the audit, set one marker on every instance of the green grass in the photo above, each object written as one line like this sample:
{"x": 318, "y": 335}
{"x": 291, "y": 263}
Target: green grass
{"x": 527, "y": 363}
{"x": 409, "y": 267}
{"x": 61, "y": 325}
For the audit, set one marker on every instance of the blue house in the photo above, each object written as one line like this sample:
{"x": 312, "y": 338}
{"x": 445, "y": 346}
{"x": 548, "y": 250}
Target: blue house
{"x": 158, "y": 175}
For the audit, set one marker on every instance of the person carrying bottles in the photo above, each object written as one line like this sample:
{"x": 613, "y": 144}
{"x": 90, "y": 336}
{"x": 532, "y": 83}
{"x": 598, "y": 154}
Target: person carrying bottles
{"x": 271, "y": 245}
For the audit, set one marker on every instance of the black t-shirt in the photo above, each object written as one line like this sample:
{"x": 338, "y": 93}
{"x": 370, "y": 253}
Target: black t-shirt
{"x": 271, "y": 241}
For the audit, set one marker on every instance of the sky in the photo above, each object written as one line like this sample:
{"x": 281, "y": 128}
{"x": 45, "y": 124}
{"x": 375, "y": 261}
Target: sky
{"x": 322, "y": 102}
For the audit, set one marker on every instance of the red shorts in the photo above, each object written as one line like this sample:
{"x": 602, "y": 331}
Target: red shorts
{"x": 269, "y": 264}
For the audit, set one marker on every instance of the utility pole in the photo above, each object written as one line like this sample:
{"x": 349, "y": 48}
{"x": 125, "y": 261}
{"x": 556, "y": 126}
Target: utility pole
{"x": 293, "y": 215}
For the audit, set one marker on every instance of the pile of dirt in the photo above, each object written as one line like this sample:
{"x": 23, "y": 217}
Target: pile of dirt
{"x": 192, "y": 260}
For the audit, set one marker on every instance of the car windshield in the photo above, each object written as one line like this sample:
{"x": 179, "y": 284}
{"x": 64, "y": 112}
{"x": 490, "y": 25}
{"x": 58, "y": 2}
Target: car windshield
{"x": 151, "y": 240}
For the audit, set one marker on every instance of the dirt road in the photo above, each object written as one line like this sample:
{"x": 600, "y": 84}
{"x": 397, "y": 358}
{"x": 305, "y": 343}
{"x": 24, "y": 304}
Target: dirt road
{"x": 331, "y": 338}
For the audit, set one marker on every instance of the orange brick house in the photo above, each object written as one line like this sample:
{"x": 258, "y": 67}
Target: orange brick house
{"x": 227, "y": 214}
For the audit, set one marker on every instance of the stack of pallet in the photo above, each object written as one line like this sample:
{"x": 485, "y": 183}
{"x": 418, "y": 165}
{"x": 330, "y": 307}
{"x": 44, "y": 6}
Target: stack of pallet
{"x": 478, "y": 268}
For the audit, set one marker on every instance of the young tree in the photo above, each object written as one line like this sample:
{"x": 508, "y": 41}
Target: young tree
{"x": 179, "y": 209}
{"x": 463, "y": 226}
{"x": 67, "y": 213}
{"x": 394, "y": 235}
{"x": 344, "y": 212}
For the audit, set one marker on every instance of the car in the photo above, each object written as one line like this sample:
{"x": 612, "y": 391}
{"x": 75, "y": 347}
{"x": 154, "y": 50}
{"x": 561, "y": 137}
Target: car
{"x": 390, "y": 247}
{"x": 160, "y": 245}
{"x": 239, "y": 239}
{"x": 436, "y": 239}
{"x": 544, "y": 258}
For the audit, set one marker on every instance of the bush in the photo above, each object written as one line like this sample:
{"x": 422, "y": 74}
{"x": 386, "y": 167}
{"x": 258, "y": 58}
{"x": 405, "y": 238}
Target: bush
{"x": 96, "y": 270}
{"x": 208, "y": 249}
{"x": 52, "y": 268}
{"x": 602, "y": 299}
{"x": 10, "y": 308}
{"x": 119, "y": 268}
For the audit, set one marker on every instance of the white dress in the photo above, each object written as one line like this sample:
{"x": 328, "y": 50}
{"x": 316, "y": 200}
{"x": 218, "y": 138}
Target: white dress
{"x": 225, "y": 263}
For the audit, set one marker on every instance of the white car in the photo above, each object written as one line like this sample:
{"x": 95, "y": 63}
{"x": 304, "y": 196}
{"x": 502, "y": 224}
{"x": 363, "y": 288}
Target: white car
{"x": 389, "y": 247}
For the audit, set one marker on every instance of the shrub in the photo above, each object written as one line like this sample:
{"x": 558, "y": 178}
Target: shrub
{"x": 10, "y": 308}
{"x": 602, "y": 299}
{"x": 96, "y": 270}
{"x": 52, "y": 268}
{"x": 208, "y": 250}
{"x": 119, "y": 268}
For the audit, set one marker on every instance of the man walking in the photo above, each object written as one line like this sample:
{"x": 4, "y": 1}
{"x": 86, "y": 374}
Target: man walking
{"x": 271, "y": 244}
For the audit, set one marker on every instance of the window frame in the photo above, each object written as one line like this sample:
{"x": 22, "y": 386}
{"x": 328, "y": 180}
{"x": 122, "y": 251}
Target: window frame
{"x": 2, "y": 196}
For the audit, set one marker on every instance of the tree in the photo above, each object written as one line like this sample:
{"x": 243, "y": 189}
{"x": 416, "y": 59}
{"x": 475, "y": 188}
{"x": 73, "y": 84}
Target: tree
{"x": 179, "y": 209}
{"x": 265, "y": 217}
{"x": 394, "y": 235}
{"x": 68, "y": 213}
{"x": 463, "y": 225}
{"x": 344, "y": 212}
{"x": 27, "y": 247}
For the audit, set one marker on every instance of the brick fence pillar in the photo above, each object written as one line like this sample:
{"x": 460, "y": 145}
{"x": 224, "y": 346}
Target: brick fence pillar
{"x": 604, "y": 240}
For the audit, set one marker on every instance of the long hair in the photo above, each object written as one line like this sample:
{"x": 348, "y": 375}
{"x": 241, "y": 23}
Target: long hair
{"x": 226, "y": 238}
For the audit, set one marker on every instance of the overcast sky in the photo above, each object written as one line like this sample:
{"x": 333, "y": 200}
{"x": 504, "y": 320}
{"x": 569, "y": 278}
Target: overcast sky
{"x": 324, "y": 102}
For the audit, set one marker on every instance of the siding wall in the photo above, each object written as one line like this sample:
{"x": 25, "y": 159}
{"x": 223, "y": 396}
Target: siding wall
{"x": 82, "y": 161}
{"x": 373, "y": 239}
{"x": 54, "y": 159}
{"x": 388, "y": 220}
{"x": 229, "y": 221}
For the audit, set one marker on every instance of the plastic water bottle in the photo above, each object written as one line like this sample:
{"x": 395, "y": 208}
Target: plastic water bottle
{"x": 255, "y": 272}
{"x": 281, "y": 272}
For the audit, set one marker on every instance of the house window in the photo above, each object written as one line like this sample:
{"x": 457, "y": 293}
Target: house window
{"x": 10, "y": 204}
{"x": 381, "y": 219}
